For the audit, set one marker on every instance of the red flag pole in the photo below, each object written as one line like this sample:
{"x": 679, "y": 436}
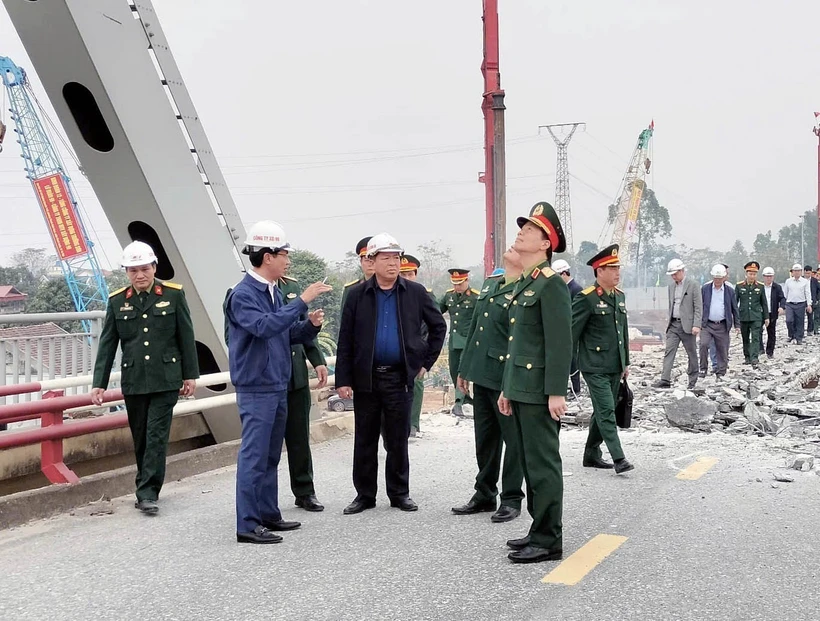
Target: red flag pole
{"x": 817, "y": 133}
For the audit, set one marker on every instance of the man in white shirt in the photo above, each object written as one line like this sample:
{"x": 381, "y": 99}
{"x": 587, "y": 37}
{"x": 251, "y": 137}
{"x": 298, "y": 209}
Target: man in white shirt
{"x": 720, "y": 313}
{"x": 798, "y": 302}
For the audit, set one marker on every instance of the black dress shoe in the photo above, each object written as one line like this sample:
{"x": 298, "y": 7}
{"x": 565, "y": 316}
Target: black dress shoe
{"x": 309, "y": 503}
{"x": 357, "y": 506}
{"x": 533, "y": 554}
{"x": 518, "y": 544}
{"x": 405, "y": 504}
{"x": 662, "y": 384}
{"x": 475, "y": 507}
{"x": 260, "y": 534}
{"x": 622, "y": 465}
{"x": 596, "y": 462}
{"x": 281, "y": 525}
{"x": 149, "y": 507}
{"x": 702, "y": 374}
{"x": 505, "y": 514}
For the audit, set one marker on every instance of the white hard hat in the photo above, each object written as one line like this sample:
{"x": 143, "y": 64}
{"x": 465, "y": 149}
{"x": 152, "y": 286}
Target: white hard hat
{"x": 675, "y": 265}
{"x": 768, "y": 271}
{"x": 138, "y": 253}
{"x": 560, "y": 266}
{"x": 266, "y": 234}
{"x": 797, "y": 266}
{"x": 718, "y": 271}
{"x": 383, "y": 242}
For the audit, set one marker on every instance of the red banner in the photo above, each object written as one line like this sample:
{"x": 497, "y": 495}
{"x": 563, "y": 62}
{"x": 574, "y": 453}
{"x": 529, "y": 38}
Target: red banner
{"x": 61, "y": 216}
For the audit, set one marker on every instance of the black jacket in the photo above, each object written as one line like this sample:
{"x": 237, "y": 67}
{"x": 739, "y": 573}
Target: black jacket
{"x": 814, "y": 286}
{"x": 778, "y": 300}
{"x": 574, "y": 288}
{"x": 357, "y": 333}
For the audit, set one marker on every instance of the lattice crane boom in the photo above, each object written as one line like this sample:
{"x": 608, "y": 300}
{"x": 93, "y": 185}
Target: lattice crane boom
{"x": 55, "y": 193}
{"x": 624, "y": 224}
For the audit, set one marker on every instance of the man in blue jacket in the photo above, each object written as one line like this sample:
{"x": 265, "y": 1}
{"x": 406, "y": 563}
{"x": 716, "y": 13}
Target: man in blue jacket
{"x": 261, "y": 330}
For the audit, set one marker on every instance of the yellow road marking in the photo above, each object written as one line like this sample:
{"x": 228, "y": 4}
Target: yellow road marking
{"x": 584, "y": 560}
{"x": 697, "y": 469}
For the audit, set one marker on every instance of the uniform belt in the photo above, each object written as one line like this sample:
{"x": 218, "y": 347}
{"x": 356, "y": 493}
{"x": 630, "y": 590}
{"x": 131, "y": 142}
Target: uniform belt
{"x": 717, "y": 322}
{"x": 675, "y": 318}
{"x": 387, "y": 368}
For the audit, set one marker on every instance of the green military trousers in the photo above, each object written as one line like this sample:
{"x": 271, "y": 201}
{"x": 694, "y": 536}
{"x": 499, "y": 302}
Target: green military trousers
{"x": 454, "y": 361}
{"x": 297, "y": 441}
{"x": 418, "y": 397}
{"x": 750, "y": 331}
{"x": 149, "y": 417}
{"x": 603, "y": 389}
{"x": 537, "y": 435}
{"x": 495, "y": 432}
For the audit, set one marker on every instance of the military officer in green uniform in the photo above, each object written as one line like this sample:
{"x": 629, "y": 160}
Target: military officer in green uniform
{"x": 409, "y": 269}
{"x": 600, "y": 337}
{"x": 482, "y": 363}
{"x": 297, "y": 427}
{"x": 751, "y": 302}
{"x": 460, "y": 303}
{"x": 534, "y": 385}
{"x": 151, "y": 321}
{"x": 365, "y": 262}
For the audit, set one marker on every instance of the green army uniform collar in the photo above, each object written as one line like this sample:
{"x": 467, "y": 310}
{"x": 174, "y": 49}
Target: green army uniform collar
{"x": 529, "y": 277}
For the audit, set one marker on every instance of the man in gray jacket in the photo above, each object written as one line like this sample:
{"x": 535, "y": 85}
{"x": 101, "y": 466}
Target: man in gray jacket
{"x": 685, "y": 319}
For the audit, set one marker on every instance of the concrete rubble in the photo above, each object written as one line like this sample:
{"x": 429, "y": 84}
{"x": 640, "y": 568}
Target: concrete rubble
{"x": 778, "y": 399}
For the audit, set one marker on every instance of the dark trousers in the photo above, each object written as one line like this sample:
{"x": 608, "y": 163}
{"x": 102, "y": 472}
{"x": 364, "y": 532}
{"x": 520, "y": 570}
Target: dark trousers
{"x": 264, "y": 416}
{"x": 717, "y": 335}
{"x": 674, "y": 337}
{"x": 815, "y": 310}
{"x": 453, "y": 362}
{"x": 495, "y": 432}
{"x": 418, "y": 398}
{"x": 771, "y": 336}
{"x": 810, "y": 326}
{"x": 538, "y": 438}
{"x": 149, "y": 417}
{"x": 297, "y": 441}
{"x": 750, "y": 331}
{"x": 603, "y": 390}
{"x": 391, "y": 401}
{"x": 795, "y": 319}
{"x": 575, "y": 376}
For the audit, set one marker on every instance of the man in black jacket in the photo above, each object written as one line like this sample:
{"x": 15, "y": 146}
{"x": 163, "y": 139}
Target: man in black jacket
{"x": 776, "y": 301}
{"x": 381, "y": 353}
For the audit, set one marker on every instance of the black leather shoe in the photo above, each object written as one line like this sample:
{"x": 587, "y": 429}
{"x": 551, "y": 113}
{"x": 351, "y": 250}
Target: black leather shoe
{"x": 596, "y": 462}
{"x": 532, "y": 554}
{"x": 475, "y": 507}
{"x": 518, "y": 544}
{"x": 309, "y": 503}
{"x": 149, "y": 507}
{"x": 260, "y": 534}
{"x": 357, "y": 506}
{"x": 405, "y": 504}
{"x": 622, "y": 465}
{"x": 662, "y": 384}
{"x": 505, "y": 514}
{"x": 281, "y": 525}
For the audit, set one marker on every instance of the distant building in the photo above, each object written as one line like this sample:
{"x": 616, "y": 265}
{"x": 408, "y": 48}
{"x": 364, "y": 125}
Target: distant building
{"x": 12, "y": 300}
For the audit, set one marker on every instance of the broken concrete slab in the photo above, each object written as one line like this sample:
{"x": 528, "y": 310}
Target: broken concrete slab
{"x": 804, "y": 463}
{"x": 690, "y": 412}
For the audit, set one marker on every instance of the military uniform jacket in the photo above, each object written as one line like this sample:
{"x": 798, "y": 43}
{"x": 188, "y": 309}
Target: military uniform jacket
{"x": 346, "y": 290}
{"x": 461, "y": 307}
{"x": 483, "y": 359}
{"x": 540, "y": 342}
{"x": 157, "y": 339}
{"x": 751, "y": 301}
{"x": 300, "y": 353}
{"x": 600, "y": 334}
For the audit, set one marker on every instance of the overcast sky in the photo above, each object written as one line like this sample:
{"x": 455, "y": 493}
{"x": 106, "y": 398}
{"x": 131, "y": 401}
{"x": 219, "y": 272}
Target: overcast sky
{"x": 342, "y": 119}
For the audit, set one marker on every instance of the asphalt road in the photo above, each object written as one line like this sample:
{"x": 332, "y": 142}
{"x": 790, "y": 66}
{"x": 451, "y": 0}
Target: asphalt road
{"x": 722, "y": 546}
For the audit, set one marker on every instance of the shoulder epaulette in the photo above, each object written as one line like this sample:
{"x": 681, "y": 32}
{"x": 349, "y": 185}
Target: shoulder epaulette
{"x": 588, "y": 290}
{"x": 171, "y": 285}
{"x": 351, "y": 283}
{"x": 290, "y": 278}
{"x": 117, "y": 292}
{"x": 499, "y": 275}
{"x": 476, "y": 291}
{"x": 742, "y": 282}
{"x": 450, "y": 290}
{"x": 429, "y": 290}
{"x": 619, "y": 290}
{"x": 548, "y": 271}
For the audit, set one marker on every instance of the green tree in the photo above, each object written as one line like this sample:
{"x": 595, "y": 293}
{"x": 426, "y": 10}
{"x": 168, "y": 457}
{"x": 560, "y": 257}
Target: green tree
{"x": 117, "y": 280}
{"x": 53, "y": 296}
{"x": 35, "y": 260}
{"x": 308, "y": 267}
{"x": 19, "y": 277}
{"x": 436, "y": 259}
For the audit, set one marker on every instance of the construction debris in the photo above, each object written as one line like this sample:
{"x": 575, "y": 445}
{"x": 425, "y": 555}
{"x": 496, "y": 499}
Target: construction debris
{"x": 804, "y": 463}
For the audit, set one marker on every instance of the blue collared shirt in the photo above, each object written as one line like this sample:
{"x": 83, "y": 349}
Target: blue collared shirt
{"x": 388, "y": 346}
{"x": 717, "y": 310}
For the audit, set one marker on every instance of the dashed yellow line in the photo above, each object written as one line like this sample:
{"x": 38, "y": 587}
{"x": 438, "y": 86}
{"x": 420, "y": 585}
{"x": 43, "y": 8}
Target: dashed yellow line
{"x": 584, "y": 560}
{"x": 695, "y": 470}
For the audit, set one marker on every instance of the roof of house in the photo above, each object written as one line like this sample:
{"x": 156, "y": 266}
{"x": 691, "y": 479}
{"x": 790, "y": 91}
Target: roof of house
{"x": 75, "y": 349}
{"x": 10, "y": 292}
